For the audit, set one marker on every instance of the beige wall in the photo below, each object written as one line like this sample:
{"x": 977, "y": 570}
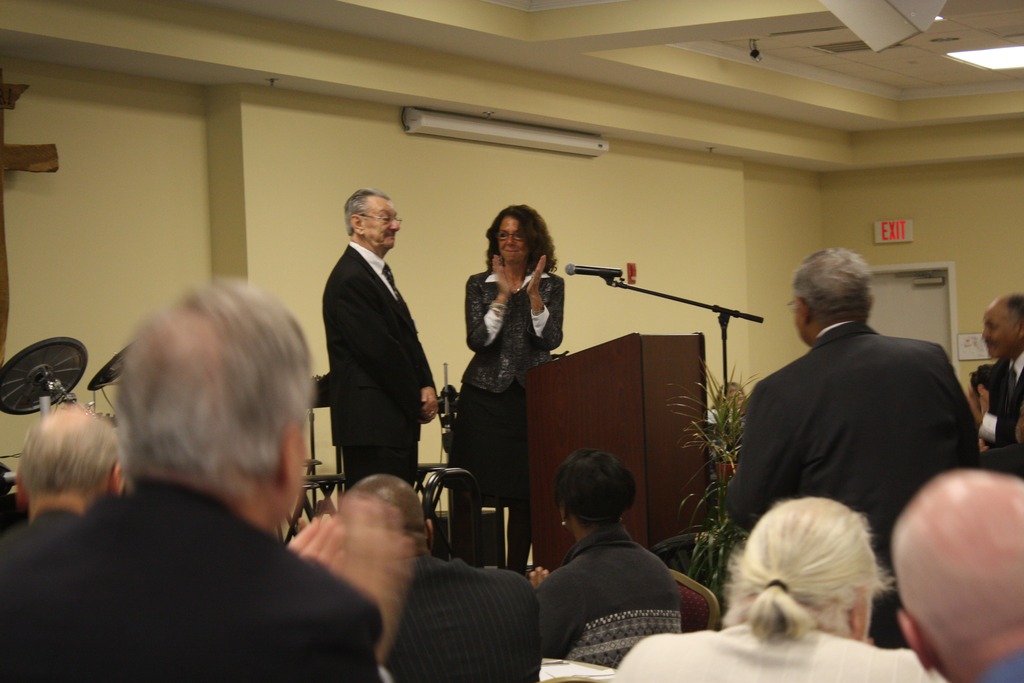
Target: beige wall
{"x": 969, "y": 213}
{"x": 783, "y": 224}
{"x": 120, "y": 229}
{"x": 151, "y": 169}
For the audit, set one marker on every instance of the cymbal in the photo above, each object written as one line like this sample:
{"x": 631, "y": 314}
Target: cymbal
{"x": 109, "y": 373}
{"x": 51, "y": 367}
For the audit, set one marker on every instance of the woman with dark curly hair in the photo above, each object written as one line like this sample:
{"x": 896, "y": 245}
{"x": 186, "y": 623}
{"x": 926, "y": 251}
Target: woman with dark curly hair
{"x": 513, "y": 321}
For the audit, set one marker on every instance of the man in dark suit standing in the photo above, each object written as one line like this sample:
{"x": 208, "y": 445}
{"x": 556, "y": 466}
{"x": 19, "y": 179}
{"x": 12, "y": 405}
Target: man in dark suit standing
{"x": 863, "y": 419}
{"x": 381, "y": 388}
{"x": 185, "y": 578}
{"x": 1003, "y": 333}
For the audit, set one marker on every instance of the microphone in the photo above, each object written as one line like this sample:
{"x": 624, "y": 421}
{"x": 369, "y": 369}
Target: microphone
{"x": 572, "y": 269}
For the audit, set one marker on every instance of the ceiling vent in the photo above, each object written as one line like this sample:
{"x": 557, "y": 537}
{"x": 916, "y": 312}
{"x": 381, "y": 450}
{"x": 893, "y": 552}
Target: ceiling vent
{"x": 884, "y": 23}
{"x": 805, "y": 31}
{"x": 839, "y": 48}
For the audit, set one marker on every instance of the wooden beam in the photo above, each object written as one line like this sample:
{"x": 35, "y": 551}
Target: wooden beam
{"x": 9, "y": 93}
{"x": 32, "y": 158}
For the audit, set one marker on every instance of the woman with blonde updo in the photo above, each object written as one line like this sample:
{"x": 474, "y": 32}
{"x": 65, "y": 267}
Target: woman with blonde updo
{"x": 799, "y": 607}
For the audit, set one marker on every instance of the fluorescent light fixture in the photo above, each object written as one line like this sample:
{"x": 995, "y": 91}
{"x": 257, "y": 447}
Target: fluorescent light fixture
{"x": 445, "y": 125}
{"x": 884, "y": 23}
{"x": 995, "y": 58}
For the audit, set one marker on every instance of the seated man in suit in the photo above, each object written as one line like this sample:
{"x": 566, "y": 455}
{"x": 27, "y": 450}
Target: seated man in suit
{"x": 958, "y": 551}
{"x": 1008, "y": 459}
{"x": 69, "y": 460}
{"x": 461, "y": 624}
{"x": 999, "y": 408}
{"x": 184, "y": 578}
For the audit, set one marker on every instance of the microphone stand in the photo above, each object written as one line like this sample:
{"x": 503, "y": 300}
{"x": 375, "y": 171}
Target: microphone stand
{"x": 724, "y": 315}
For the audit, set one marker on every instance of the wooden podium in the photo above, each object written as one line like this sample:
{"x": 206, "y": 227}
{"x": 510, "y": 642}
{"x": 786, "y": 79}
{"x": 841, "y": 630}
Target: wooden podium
{"x": 615, "y": 397}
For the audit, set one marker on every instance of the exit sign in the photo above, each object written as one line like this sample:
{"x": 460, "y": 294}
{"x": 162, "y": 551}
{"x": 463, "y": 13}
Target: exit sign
{"x": 887, "y": 232}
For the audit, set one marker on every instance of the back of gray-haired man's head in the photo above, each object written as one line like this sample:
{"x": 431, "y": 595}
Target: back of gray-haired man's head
{"x": 208, "y": 388}
{"x": 835, "y": 284}
{"x": 357, "y": 203}
{"x": 68, "y": 451}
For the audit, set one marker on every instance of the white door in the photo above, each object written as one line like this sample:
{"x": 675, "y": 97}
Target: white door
{"x": 915, "y": 301}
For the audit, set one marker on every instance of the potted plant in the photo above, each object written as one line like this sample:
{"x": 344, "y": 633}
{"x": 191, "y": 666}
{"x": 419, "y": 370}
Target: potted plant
{"x": 720, "y": 432}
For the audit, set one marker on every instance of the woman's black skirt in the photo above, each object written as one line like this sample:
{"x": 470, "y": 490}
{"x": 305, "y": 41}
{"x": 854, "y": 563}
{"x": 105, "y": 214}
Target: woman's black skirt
{"x": 490, "y": 440}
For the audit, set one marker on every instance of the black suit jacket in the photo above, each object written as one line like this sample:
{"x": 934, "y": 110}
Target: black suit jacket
{"x": 377, "y": 363}
{"x": 517, "y": 348}
{"x": 1006, "y": 419}
{"x": 467, "y": 625}
{"x": 46, "y": 523}
{"x": 861, "y": 418}
{"x": 167, "y": 585}
{"x": 1008, "y": 459}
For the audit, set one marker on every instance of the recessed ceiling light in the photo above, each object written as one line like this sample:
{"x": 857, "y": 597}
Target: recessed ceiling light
{"x": 996, "y": 58}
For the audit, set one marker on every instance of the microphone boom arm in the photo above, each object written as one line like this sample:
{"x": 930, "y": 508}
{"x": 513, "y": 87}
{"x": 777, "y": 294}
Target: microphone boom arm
{"x": 724, "y": 314}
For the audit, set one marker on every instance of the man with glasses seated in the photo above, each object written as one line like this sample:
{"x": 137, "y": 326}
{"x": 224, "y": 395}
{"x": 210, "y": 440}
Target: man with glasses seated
{"x": 381, "y": 388}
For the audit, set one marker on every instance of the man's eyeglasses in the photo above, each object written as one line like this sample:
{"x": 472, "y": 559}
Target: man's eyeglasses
{"x": 387, "y": 219}
{"x": 515, "y": 236}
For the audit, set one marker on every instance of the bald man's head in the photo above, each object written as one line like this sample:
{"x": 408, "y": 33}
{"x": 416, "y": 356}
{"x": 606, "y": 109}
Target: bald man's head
{"x": 399, "y": 494}
{"x": 958, "y": 552}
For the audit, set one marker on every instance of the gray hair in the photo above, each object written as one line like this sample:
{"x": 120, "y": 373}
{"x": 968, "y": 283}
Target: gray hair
{"x": 835, "y": 284}
{"x": 805, "y": 565}
{"x": 68, "y": 451}
{"x": 356, "y": 204}
{"x": 208, "y": 388}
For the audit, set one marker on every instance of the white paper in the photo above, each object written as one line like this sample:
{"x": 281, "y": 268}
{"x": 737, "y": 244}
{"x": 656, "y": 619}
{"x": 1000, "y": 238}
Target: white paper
{"x": 558, "y": 668}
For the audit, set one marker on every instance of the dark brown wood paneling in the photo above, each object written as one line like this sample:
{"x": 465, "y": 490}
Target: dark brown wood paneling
{"x": 615, "y": 397}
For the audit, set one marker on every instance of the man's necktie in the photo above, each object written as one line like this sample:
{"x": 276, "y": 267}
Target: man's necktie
{"x": 391, "y": 280}
{"x": 398, "y": 297}
{"x": 1011, "y": 384}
